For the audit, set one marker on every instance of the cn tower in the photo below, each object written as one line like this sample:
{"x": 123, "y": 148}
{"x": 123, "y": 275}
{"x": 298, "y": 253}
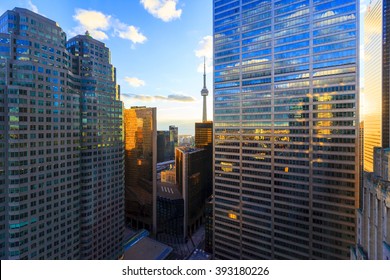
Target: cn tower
{"x": 204, "y": 93}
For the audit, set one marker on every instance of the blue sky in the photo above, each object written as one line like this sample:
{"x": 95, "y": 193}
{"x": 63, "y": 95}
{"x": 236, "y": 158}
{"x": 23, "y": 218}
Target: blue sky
{"x": 157, "y": 47}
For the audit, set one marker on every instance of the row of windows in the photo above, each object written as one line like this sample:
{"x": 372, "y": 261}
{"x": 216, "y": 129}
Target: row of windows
{"x": 289, "y": 32}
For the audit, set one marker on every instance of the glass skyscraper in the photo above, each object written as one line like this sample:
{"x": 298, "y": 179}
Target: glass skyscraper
{"x": 286, "y": 128}
{"x": 204, "y": 134}
{"x": 61, "y": 146}
{"x": 174, "y": 135}
{"x": 165, "y": 149}
{"x": 193, "y": 181}
{"x": 102, "y": 150}
{"x": 140, "y": 130}
{"x": 376, "y": 80}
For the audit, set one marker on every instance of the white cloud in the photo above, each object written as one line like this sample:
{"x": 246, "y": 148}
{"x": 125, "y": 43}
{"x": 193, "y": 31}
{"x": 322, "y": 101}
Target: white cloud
{"x": 158, "y": 98}
{"x": 32, "y": 7}
{"x": 95, "y": 22}
{"x": 134, "y": 82}
{"x": 98, "y": 34}
{"x": 128, "y": 32}
{"x": 163, "y": 9}
{"x": 98, "y": 24}
{"x": 92, "y": 19}
{"x": 205, "y": 49}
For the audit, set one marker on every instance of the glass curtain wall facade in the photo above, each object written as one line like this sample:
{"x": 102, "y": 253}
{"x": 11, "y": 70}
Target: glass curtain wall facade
{"x": 174, "y": 135}
{"x": 204, "y": 134}
{"x": 102, "y": 170}
{"x": 140, "y": 167}
{"x": 53, "y": 204}
{"x": 193, "y": 181}
{"x": 376, "y": 112}
{"x": 41, "y": 134}
{"x": 165, "y": 150}
{"x": 204, "y": 140}
{"x": 285, "y": 128}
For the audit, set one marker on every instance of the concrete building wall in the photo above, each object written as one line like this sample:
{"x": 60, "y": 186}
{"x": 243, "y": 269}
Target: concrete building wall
{"x": 374, "y": 217}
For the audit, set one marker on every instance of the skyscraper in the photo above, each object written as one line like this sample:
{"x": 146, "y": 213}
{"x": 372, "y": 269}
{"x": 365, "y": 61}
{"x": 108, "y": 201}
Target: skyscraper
{"x": 166, "y": 143}
{"x": 286, "y": 128}
{"x": 193, "y": 183}
{"x": 204, "y": 134}
{"x": 102, "y": 168}
{"x": 376, "y": 80}
{"x": 174, "y": 136}
{"x": 170, "y": 214}
{"x": 61, "y": 148}
{"x": 165, "y": 150}
{"x": 204, "y": 140}
{"x": 140, "y": 167}
{"x": 208, "y": 225}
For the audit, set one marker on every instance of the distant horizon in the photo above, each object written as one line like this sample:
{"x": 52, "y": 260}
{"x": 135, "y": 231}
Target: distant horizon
{"x": 186, "y": 127}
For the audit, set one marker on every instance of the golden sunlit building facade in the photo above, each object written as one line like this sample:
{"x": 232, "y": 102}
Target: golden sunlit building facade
{"x": 376, "y": 101}
{"x": 204, "y": 134}
{"x": 140, "y": 135}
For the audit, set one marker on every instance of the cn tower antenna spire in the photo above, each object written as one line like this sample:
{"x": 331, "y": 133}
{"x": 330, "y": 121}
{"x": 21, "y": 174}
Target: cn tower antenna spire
{"x": 204, "y": 92}
{"x": 204, "y": 72}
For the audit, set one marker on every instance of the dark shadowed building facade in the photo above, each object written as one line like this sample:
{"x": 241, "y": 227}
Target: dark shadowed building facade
{"x": 61, "y": 143}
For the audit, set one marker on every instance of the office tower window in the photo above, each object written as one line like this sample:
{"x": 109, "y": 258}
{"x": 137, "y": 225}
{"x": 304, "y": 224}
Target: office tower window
{"x": 61, "y": 147}
{"x": 285, "y": 128}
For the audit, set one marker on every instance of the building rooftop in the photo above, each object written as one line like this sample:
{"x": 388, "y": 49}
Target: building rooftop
{"x": 24, "y": 10}
{"x": 189, "y": 150}
{"x": 168, "y": 190}
{"x": 140, "y": 107}
{"x": 141, "y": 247}
{"x": 165, "y": 164}
{"x": 204, "y": 124}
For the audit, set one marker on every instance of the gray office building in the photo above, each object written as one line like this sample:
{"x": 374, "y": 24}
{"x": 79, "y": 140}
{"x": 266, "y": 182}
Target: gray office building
{"x": 61, "y": 146}
{"x": 286, "y": 128}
